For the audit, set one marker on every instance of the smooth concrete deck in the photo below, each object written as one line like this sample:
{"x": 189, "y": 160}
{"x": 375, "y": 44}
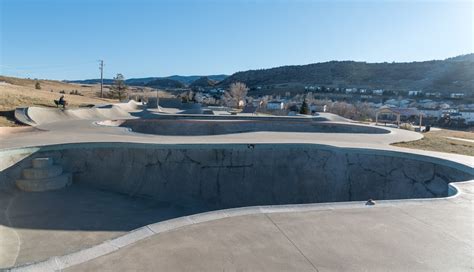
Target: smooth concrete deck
{"x": 429, "y": 236}
{"x": 413, "y": 235}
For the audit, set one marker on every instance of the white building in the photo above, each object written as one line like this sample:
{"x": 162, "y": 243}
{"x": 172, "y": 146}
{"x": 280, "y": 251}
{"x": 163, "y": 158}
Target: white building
{"x": 414, "y": 93}
{"x": 378, "y": 92}
{"x": 449, "y": 111}
{"x": 351, "y": 90}
{"x": 398, "y": 103}
{"x": 467, "y": 115}
{"x": 217, "y": 91}
{"x": 435, "y": 94}
{"x": 314, "y": 107}
{"x": 275, "y": 105}
{"x": 457, "y": 95}
{"x": 444, "y": 106}
{"x": 428, "y": 104}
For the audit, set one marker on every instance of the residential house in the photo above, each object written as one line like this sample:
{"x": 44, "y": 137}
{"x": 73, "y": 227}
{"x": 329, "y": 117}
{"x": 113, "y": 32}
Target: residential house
{"x": 429, "y": 112}
{"x": 414, "y": 93}
{"x": 275, "y": 105}
{"x": 449, "y": 111}
{"x": 377, "y": 92}
{"x": 431, "y": 94}
{"x": 467, "y": 115}
{"x": 351, "y": 90}
{"x": 457, "y": 95}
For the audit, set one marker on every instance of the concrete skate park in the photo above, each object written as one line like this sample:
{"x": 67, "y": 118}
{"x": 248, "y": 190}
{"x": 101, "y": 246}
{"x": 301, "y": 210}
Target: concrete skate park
{"x": 125, "y": 187}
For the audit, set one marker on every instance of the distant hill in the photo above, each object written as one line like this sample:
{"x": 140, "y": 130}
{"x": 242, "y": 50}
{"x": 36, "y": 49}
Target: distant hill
{"x": 203, "y": 82}
{"x": 165, "y": 83}
{"x": 450, "y": 75}
{"x": 190, "y": 79}
{"x": 186, "y": 80}
{"x": 90, "y": 81}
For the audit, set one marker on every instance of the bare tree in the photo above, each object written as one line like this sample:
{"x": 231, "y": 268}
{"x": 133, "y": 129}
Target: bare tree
{"x": 119, "y": 88}
{"x": 235, "y": 96}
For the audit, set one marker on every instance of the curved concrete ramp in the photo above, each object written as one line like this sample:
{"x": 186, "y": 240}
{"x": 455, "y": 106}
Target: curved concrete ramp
{"x": 38, "y": 115}
{"x": 21, "y": 115}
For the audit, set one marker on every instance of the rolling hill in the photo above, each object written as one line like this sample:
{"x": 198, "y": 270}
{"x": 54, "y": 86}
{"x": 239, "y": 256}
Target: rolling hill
{"x": 203, "y": 82}
{"x": 450, "y": 75}
{"x": 165, "y": 83}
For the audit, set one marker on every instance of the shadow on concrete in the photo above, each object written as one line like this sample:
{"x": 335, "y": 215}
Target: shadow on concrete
{"x": 82, "y": 208}
{"x": 197, "y": 126}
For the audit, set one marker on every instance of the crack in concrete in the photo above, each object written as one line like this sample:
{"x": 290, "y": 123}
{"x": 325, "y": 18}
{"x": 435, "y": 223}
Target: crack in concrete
{"x": 10, "y": 226}
{"x": 293, "y": 243}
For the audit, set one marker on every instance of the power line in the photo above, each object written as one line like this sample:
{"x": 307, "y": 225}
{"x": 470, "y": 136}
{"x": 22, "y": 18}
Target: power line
{"x": 101, "y": 67}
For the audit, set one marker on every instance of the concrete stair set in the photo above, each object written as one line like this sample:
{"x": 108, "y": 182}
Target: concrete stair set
{"x": 43, "y": 176}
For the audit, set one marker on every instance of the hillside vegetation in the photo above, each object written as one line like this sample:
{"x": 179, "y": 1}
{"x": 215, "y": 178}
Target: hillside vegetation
{"x": 450, "y": 75}
{"x": 203, "y": 82}
{"x": 165, "y": 83}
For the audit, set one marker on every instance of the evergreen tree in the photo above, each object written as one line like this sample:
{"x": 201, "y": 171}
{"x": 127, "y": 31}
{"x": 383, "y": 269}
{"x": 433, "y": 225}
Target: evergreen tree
{"x": 304, "y": 108}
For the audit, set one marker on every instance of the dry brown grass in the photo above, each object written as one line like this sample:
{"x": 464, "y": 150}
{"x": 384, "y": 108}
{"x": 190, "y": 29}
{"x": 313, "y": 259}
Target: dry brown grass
{"x": 436, "y": 141}
{"x": 17, "y": 92}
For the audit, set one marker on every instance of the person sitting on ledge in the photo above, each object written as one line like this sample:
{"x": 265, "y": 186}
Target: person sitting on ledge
{"x": 61, "y": 101}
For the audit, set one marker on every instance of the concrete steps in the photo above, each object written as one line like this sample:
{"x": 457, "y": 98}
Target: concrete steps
{"x": 43, "y": 176}
{"x": 42, "y": 173}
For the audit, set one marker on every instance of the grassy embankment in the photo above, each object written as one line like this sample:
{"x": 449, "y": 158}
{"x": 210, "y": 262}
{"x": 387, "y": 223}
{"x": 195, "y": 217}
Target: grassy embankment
{"x": 437, "y": 140}
{"x": 17, "y": 92}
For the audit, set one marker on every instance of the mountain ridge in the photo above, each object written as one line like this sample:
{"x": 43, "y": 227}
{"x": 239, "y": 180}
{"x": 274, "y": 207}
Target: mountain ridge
{"x": 452, "y": 74}
{"x": 186, "y": 80}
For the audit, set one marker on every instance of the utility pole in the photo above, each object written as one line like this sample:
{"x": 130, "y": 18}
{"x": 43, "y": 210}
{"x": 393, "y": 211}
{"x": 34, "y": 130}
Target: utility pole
{"x": 101, "y": 67}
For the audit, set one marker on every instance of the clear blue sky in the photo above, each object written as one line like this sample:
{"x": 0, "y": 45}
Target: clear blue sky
{"x": 64, "y": 39}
